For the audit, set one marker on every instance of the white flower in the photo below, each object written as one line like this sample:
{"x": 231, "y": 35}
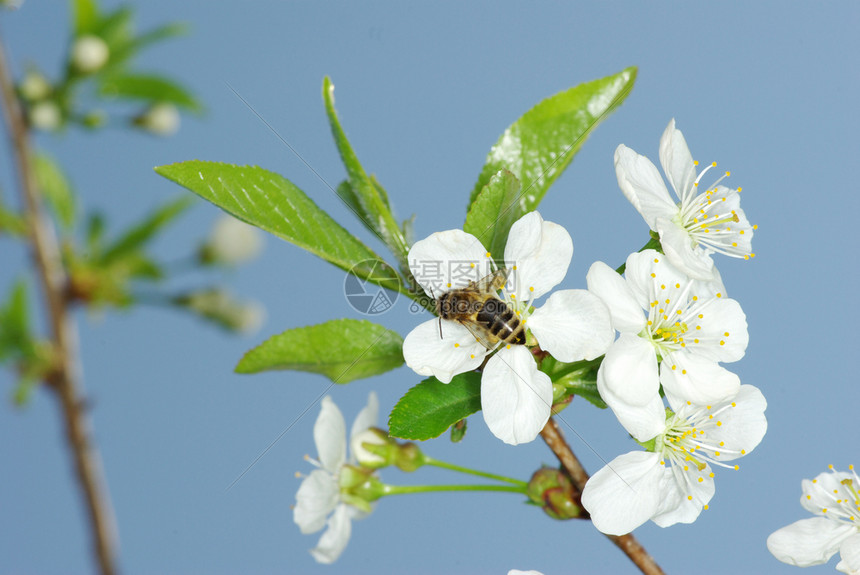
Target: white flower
{"x": 90, "y": 54}
{"x": 161, "y": 119}
{"x": 34, "y": 86}
{"x": 835, "y": 499}
{"x": 687, "y": 328}
{"x": 46, "y": 115}
{"x": 571, "y": 325}
{"x": 233, "y": 242}
{"x": 319, "y": 501}
{"x": 673, "y": 482}
{"x": 700, "y": 223}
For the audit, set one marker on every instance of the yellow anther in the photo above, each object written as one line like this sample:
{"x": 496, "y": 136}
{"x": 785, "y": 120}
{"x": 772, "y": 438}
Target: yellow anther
{"x": 719, "y": 294}
{"x": 509, "y": 346}
{"x": 473, "y": 356}
{"x": 755, "y": 226}
{"x": 456, "y": 345}
{"x": 737, "y": 467}
{"x": 449, "y": 284}
{"x": 728, "y": 174}
{"x": 734, "y": 404}
{"x": 722, "y": 342}
{"x": 656, "y": 261}
{"x": 701, "y": 479}
{"x": 830, "y": 467}
{"x": 515, "y": 268}
{"x": 472, "y": 264}
{"x": 689, "y": 498}
{"x": 677, "y": 285}
{"x": 711, "y": 474}
{"x": 705, "y": 507}
{"x": 719, "y": 424}
{"x": 488, "y": 254}
{"x": 701, "y": 316}
{"x": 713, "y": 164}
{"x": 662, "y": 286}
{"x": 531, "y": 289}
{"x": 684, "y": 371}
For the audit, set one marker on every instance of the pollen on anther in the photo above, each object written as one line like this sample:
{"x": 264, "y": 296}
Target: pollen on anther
{"x": 449, "y": 284}
{"x": 662, "y": 286}
{"x": 488, "y": 254}
{"x": 515, "y": 268}
{"x": 711, "y": 474}
{"x": 701, "y": 479}
{"x": 472, "y": 264}
{"x": 830, "y": 467}
{"x": 674, "y": 367}
{"x": 473, "y": 356}
{"x": 456, "y": 345}
{"x": 662, "y": 463}
{"x": 531, "y": 289}
{"x": 653, "y": 275}
{"x": 719, "y": 294}
{"x": 705, "y": 508}
{"x": 689, "y": 402}
{"x": 809, "y": 496}
{"x": 737, "y": 467}
{"x": 851, "y": 467}
{"x": 722, "y": 342}
{"x": 684, "y": 371}
{"x": 509, "y": 346}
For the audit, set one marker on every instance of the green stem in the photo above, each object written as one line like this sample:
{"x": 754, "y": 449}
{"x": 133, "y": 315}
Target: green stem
{"x": 653, "y": 244}
{"x": 405, "y": 489}
{"x": 436, "y": 463}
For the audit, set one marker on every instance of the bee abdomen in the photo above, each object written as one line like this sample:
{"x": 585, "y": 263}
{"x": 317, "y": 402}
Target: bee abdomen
{"x": 501, "y": 321}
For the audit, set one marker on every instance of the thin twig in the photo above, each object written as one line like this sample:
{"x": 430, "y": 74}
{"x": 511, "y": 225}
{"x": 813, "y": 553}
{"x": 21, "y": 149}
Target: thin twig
{"x": 554, "y": 439}
{"x": 65, "y": 378}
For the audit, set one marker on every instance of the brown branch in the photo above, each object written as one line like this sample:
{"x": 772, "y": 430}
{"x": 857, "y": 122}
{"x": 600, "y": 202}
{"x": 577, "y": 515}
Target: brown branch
{"x": 65, "y": 378}
{"x": 554, "y": 439}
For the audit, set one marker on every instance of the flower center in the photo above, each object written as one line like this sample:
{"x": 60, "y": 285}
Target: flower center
{"x": 845, "y": 500}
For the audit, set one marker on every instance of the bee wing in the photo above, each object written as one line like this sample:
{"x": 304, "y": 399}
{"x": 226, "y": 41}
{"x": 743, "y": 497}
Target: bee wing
{"x": 481, "y": 334}
{"x": 493, "y": 282}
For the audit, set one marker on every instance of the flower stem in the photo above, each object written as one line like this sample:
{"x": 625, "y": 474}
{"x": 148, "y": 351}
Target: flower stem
{"x": 436, "y": 463}
{"x": 405, "y": 489}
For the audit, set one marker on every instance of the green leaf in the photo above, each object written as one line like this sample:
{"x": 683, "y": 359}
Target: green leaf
{"x": 56, "y": 189}
{"x": 120, "y": 54}
{"x": 272, "y": 203}
{"x": 150, "y": 88}
{"x": 369, "y": 200}
{"x": 95, "y": 233}
{"x": 11, "y": 223}
{"x": 116, "y": 28}
{"x": 143, "y": 231}
{"x": 495, "y": 210}
{"x": 341, "y": 349}
{"x": 431, "y": 407}
{"x": 539, "y": 146}
{"x": 578, "y": 378}
{"x": 86, "y": 15}
{"x": 15, "y": 336}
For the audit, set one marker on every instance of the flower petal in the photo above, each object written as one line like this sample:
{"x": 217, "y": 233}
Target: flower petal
{"x": 457, "y": 351}
{"x": 642, "y": 422}
{"x": 541, "y": 252}
{"x": 334, "y": 539}
{"x": 721, "y": 334}
{"x": 614, "y": 291}
{"x": 318, "y": 495}
{"x": 681, "y": 251}
{"x": 515, "y": 397}
{"x": 743, "y": 424}
{"x": 448, "y": 260}
{"x": 697, "y": 491}
{"x": 630, "y": 370}
{"x": 850, "y": 554}
{"x": 367, "y": 417}
{"x": 809, "y": 541}
{"x": 641, "y": 183}
{"x": 650, "y": 274}
{"x": 820, "y": 493}
{"x": 330, "y": 436}
{"x": 572, "y": 325}
{"x": 688, "y": 377}
{"x": 677, "y": 161}
{"x": 625, "y": 493}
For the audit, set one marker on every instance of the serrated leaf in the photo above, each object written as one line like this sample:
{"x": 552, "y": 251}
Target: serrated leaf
{"x": 150, "y": 88}
{"x": 495, "y": 210}
{"x": 86, "y": 16}
{"x": 143, "y": 231}
{"x": 56, "y": 189}
{"x": 342, "y": 350}
{"x": 539, "y": 146}
{"x": 431, "y": 407}
{"x": 370, "y": 204}
{"x": 272, "y": 203}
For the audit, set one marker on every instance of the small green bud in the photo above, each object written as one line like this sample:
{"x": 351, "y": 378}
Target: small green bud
{"x": 554, "y": 492}
{"x": 359, "y": 486}
{"x": 458, "y": 431}
{"x": 409, "y": 457}
{"x": 94, "y": 119}
{"x": 161, "y": 119}
{"x": 222, "y": 308}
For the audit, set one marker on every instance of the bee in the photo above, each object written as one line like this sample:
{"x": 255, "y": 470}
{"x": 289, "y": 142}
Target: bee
{"x": 478, "y": 308}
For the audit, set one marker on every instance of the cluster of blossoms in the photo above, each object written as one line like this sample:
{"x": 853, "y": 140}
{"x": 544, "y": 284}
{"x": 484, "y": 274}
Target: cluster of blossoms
{"x": 832, "y": 496}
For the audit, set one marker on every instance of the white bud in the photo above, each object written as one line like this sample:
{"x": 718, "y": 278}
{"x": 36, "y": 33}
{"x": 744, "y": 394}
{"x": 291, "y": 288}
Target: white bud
{"x": 233, "y": 241}
{"x": 34, "y": 86}
{"x": 250, "y": 317}
{"x": 46, "y": 116}
{"x": 370, "y": 436}
{"x": 89, "y": 54}
{"x": 162, "y": 119}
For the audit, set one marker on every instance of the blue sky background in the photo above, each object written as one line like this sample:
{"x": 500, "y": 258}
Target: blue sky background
{"x": 766, "y": 89}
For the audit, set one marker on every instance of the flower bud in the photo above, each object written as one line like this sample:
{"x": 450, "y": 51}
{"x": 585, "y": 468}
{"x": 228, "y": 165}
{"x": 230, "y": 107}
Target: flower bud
{"x": 359, "y": 487}
{"x": 161, "y": 119}
{"x": 46, "y": 115}
{"x": 409, "y": 457}
{"x": 89, "y": 54}
{"x": 231, "y": 242}
{"x": 554, "y": 492}
{"x": 374, "y": 449}
{"x": 94, "y": 119}
{"x": 34, "y": 86}
{"x": 220, "y": 306}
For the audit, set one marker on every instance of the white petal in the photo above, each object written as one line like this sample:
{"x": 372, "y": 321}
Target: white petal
{"x": 625, "y": 493}
{"x": 572, "y": 325}
{"x": 677, "y": 161}
{"x": 743, "y": 425}
{"x": 515, "y": 397}
{"x": 649, "y": 274}
{"x": 850, "y": 554}
{"x": 448, "y": 260}
{"x": 334, "y": 539}
{"x": 641, "y": 421}
{"x": 641, "y": 183}
{"x": 541, "y": 252}
{"x": 822, "y": 491}
{"x": 330, "y": 436}
{"x": 681, "y": 251}
{"x": 630, "y": 370}
{"x": 318, "y": 495}
{"x": 367, "y": 417}
{"x": 721, "y": 333}
{"x": 696, "y": 491}
{"x": 687, "y": 377}
{"x": 457, "y": 351}
{"x": 613, "y": 290}
{"x": 809, "y": 541}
